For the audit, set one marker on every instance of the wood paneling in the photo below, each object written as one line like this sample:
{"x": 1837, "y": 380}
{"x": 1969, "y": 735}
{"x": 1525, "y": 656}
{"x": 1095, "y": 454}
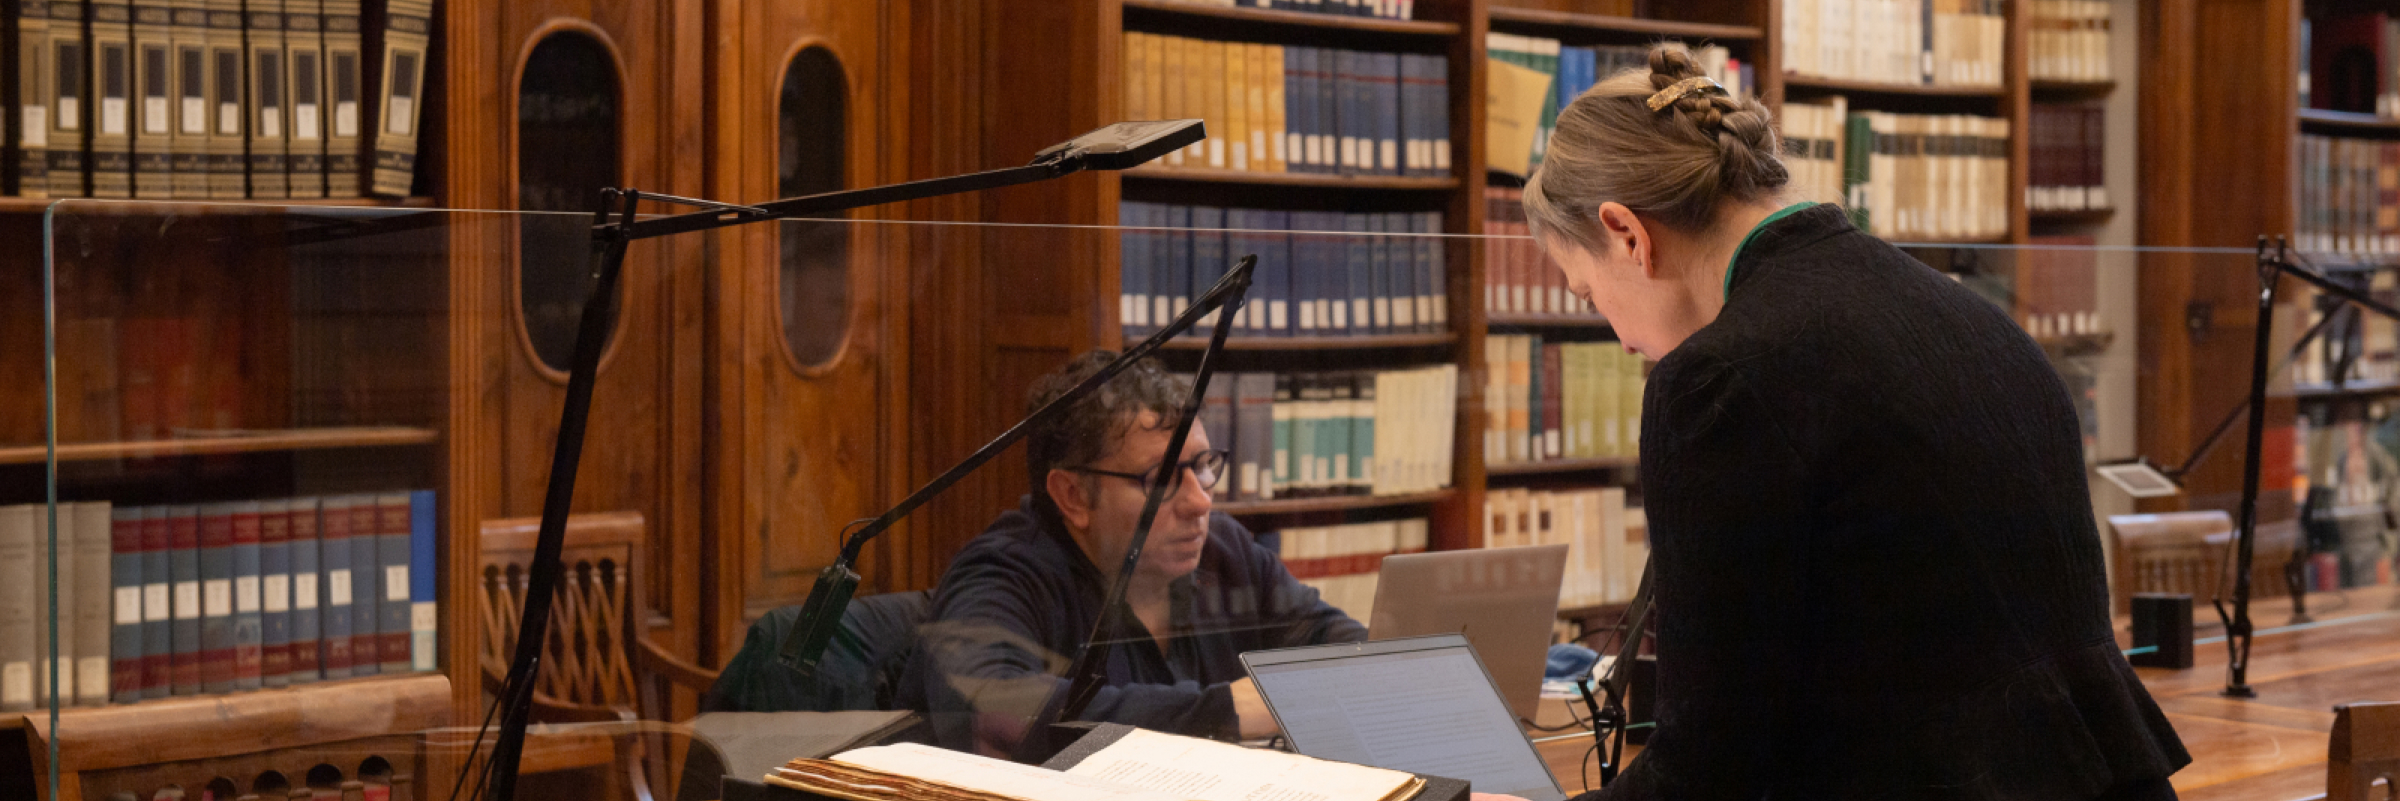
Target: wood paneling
{"x": 801, "y": 450}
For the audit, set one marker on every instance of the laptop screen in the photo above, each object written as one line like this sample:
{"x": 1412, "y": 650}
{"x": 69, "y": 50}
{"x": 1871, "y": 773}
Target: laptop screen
{"x": 1422, "y": 704}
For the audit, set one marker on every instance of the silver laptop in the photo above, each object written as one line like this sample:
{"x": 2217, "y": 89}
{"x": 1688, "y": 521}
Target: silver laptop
{"x": 1504, "y": 600}
{"x": 1419, "y": 704}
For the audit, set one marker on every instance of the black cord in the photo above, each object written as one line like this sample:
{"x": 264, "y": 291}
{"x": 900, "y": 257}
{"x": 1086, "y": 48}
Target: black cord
{"x": 1587, "y": 766}
{"x": 472, "y": 750}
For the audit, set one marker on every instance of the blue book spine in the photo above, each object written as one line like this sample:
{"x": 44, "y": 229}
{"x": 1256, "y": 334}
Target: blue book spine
{"x": 1380, "y": 284}
{"x": 249, "y": 617}
{"x": 1416, "y": 148}
{"x": 1303, "y": 294}
{"x": 158, "y": 607}
{"x": 1329, "y": 96}
{"x": 1295, "y": 119}
{"x": 1237, "y": 242}
{"x": 1208, "y": 257}
{"x": 275, "y": 592}
{"x": 184, "y": 569}
{"x": 1403, "y": 246}
{"x": 366, "y": 587}
{"x": 307, "y": 634}
{"x": 1359, "y": 264}
{"x": 1386, "y": 75}
{"x": 216, "y": 598}
{"x": 1333, "y": 277}
{"x": 1275, "y": 271}
{"x": 125, "y": 604}
{"x": 392, "y": 631}
{"x": 1432, "y": 297}
{"x": 1179, "y": 261}
{"x": 1349, "y": 113}
{"x": 1438, "y": 67}
{"x": 424, "y": 613}
{"x": 336, "y": 590}
{"x": 1133, "y": 256}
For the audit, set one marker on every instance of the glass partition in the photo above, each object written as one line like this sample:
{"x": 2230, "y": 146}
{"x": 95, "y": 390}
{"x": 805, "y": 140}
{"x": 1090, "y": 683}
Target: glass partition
{"x": 272, "y": 474}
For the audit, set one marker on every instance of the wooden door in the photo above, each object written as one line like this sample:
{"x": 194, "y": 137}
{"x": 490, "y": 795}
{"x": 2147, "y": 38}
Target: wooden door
{"x": 809, "y": 421}
{"x": 548, "y": 100}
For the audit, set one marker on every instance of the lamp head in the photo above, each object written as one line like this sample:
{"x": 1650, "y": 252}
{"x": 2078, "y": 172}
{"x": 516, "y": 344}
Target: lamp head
{"x": 1123, "y": 145}
{"x": 2139, "y": 479}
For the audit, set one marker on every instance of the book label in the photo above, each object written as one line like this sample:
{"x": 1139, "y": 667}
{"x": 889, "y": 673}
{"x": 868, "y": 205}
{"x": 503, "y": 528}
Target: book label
{"x": 216, "y": 597}
{"x": 154, "y": 602}
{"x": 395, "y": 583}
{"x": 279, "y": 593}
{"x": 187, "y": 600}
{"x": 129, "y": 606}
{"x": 337, "y": 587}
{"x": 304, "y": 591}
{"x": 245, "y": 594}
{"x": 36, "y": 131}
{"x": 195, "y": 116}
{"x": 16, "y": 685}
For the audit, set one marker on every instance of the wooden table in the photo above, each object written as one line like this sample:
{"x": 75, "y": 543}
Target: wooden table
{"x": 2269, "y": 748}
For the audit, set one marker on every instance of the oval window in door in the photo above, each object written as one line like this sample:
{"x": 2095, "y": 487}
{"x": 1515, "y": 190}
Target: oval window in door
{"x": 567, "y": 151}
{"x": 813, "y": 267}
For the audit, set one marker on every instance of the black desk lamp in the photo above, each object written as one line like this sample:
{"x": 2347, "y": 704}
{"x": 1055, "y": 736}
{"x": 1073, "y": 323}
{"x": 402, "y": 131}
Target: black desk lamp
{"x": 615, "y": 226}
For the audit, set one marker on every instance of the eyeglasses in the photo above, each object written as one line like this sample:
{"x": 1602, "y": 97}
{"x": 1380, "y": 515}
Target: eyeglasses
{"x": 1207, "y": 467}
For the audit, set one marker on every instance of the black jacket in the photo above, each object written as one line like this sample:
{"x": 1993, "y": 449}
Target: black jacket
{"x": 1019, "y": 600}
{"x": 1877, "y": 571}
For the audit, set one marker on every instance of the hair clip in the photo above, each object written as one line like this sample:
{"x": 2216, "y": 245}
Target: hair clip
{"x": 1697, "y": 83}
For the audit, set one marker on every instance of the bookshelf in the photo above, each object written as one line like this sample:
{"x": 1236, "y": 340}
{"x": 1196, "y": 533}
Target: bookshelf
{"x": 229, "y": 442}
{"x": 1575, "y": 28}
{"x": 1312, "y": 344}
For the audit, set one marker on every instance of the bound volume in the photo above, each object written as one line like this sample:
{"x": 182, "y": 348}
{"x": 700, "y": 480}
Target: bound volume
{"x": 406, "y": 26}
{"x": 1139, "y": 766}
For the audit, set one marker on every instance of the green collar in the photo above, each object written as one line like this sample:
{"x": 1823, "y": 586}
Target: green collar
{"x": 1761, "y": 226}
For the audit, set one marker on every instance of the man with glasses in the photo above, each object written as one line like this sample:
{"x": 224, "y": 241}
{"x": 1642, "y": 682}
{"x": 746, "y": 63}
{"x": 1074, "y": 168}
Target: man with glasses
{"x": 1017, "y": 603}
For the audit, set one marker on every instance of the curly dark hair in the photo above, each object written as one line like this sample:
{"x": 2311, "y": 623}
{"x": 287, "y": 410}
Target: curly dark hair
{"x": 1094, "y": 425}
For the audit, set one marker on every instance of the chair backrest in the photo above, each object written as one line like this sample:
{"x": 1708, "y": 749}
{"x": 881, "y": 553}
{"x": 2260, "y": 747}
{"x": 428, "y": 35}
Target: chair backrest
{"x": 587, "y": 659}
{"x": 2168, "y": 552}
{"x": 861, "y": 667}
{"x": 2363, "y": 759}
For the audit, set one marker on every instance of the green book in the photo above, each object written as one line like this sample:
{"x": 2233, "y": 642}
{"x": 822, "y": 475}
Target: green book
{"x": 1859, "y": 151}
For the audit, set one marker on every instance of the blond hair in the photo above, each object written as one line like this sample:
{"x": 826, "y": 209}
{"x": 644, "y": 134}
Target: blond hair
{"x": 1677, "y": 165}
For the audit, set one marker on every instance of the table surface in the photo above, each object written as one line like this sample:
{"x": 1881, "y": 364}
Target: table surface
{"x": 2269, "y": 748}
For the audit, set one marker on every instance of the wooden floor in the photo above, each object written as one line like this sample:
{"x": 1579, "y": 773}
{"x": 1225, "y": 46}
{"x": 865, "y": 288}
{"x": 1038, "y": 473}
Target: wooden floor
{"x": 2269, "y": 748}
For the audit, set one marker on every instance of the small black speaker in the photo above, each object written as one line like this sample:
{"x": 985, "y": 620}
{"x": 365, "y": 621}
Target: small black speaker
{"x": 1641, "y": 699}
{"x": 2163, "y": 620}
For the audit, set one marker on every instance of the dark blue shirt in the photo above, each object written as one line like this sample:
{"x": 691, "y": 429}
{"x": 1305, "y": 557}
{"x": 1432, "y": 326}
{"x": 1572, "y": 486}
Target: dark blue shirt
{"x": 1018, "y": 601}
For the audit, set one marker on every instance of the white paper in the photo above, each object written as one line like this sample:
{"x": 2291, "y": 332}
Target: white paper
{"x": 1165, "y": 764}
{"x": 187, "y": 600}
{"x": 245, "y": 594}
{"x": 216, "y": 597}
{"x": 154, "y": 603}
{"x": 337, "y": 588}
{"x": 304, "y": 591}
{"x": 984, "y": 774}
{"x": 128, "y": 606}
{"x": 278, "y": 591}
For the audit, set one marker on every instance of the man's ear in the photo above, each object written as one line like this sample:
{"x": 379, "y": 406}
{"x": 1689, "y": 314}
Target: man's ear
{"x": 1067, "y": 492}
{"x": 1623, "y": 236}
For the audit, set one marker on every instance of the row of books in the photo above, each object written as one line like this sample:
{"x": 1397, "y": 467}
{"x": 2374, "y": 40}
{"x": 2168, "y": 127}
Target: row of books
{"x": 1297, "y": 435}
{"x": 1940, "y": 42}
{"x": 1384, "y": 9}
{"x": 1318, "y": 273}
{"x": 2352, "y": 63}
{"x": 2067, "y": 40}
{"x": 1903, "y": 176}
{"x": 1922, "y": 176}
{"x": 1575, "y": 70}
{"x": 262, "y": 99}
{"x": 1560, "y": 400}
{"x": 1607, "y": 541}
{"x": 188, "y": 600}
{"x": 2067, "y": 152}
{"x": 2345, "y": 353}
{"x": 2349, "y": 197}
{"x": 1518, "y": 278}
{"x": 1273, "y": 108}
{"x": 2058, "y": 287}
{"x": 1343, "y": 562}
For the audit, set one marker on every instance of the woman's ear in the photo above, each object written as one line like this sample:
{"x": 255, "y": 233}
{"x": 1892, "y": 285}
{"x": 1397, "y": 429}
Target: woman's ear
{"x": 1067, "y": 492}
{"x": 1624, "y": 237}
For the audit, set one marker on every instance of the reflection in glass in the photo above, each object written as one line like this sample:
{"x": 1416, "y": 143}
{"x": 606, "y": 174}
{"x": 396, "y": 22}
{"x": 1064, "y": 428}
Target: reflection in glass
{"x": 566, "y": 152}
{"x": 814, "y": 272}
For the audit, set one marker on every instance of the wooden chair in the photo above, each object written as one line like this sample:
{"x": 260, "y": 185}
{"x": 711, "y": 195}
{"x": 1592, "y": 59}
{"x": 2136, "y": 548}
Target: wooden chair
{"x": 2363, "y": 757}
{"x": 2184, "y": 552}
{"x": 596, "y": 666}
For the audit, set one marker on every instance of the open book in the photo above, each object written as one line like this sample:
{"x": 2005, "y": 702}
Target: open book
{"x": 1142, "y": 766}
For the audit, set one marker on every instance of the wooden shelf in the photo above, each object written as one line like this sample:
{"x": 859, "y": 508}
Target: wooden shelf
{"x": 2348, "y": 123}
{"x": 1307, "y": 179}
{"x": 1552, "y": 466}
{"x": 1816, "y": 84}
{"x": 2073, "y": 345}
{"x": 1567, "y": 25}
{"x": 304, "y": 439}
{"x": 1370, "y": 342}
{"x": 22, "y": 205}
{"x": 1588, "y": 612}
{"x": 2348, "y": 390}
{"x": 2070, "y": 216}
{"x": 1520, "y": 320}
{"x": 211, "y": 726}
{"x": 1293, "y": 19}
{"x": 1337, "y": 503}
{"x": 2081, "y": 90}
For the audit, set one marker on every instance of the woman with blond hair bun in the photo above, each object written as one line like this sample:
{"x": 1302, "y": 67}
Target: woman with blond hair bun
{"x": 1876, "y": 570}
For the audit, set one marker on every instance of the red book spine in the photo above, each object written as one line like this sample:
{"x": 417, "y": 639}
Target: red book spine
{"x": 333, "y": 549}
{"x": 391, "y": 520}
{"x": 248, "y": 653}
{"x": 185, "y": 673}
{"x": 275, "y": 534}
{"x": 302, "y": 653}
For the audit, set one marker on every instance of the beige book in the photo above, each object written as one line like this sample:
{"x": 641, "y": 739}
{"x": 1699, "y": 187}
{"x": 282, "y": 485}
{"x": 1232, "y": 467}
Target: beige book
{"x": 153, "y": 99}
{"x": 1236, "y": 77}
{"x": 304, "y": 97}
{"x": 1495, "y": 399}
{"x": 1520, "y": 407}
{"x": 70, "y": 96}
{"x": 228, "y": 102}
{"x": 28, "y": 133}
{"x": 1254, "y": 93}
{"x": 187, "y": 109}
{"x": 1137, "y": 100}
{"x": 1179, "y": 98}
{"x": 1277, "y": 128}
{"x": 270, "y": 112}
{"x": 345, "y": 98}
{"x": 1212, "y": 102}
{"x": 1610, "y": 530}
{"x": 407, "y": 24}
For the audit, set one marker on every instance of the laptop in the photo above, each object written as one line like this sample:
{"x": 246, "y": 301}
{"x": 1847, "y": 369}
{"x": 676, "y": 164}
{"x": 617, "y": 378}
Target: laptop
{"x": 1505, "y": 600}
{"x": 1419, "y": 704}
